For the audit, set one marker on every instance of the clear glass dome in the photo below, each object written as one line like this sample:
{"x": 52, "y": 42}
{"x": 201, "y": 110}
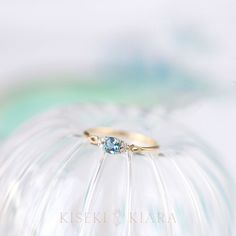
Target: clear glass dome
{"x": 53, "y": 182}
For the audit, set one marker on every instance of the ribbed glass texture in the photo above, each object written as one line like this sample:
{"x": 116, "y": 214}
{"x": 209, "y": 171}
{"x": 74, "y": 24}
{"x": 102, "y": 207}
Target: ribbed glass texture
{"x": 54, "y": 182}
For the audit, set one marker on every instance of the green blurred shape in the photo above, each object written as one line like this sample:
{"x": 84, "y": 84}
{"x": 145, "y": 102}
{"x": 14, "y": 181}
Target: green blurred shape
{"x": 133, "y": 84}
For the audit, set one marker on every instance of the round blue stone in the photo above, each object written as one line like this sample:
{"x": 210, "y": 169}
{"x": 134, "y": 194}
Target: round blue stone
{"x": 112, "y": 145}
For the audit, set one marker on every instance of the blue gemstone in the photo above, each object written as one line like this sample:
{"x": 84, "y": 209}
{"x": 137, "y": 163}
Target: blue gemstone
{"x": 112, "y": 145}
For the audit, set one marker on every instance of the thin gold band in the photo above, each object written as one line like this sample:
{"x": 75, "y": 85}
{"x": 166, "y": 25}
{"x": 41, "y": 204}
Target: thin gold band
{"x": 96, "y": 136}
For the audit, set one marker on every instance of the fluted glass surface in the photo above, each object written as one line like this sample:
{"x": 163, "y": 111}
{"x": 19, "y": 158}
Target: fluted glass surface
{"x": 53, "y": 182}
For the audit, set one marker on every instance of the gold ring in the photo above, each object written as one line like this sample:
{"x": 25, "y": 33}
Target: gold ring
{"x": 107, "y": 138}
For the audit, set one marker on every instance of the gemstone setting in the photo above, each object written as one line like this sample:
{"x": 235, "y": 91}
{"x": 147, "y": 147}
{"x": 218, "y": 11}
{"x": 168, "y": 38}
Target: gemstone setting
{"x": 113, "y": 145}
